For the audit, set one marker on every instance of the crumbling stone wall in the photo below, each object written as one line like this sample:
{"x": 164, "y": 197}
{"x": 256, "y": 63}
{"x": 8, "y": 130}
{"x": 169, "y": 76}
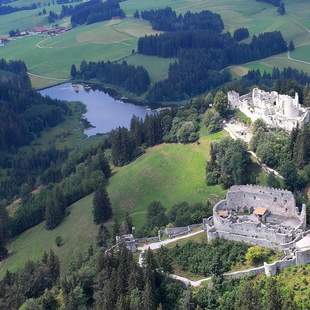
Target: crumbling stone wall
{"x": 246, "y": 228}
{"x": 248, "y": 197}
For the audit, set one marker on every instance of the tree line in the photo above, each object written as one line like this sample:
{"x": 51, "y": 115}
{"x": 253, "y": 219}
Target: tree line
{"x": 24, "y": 113}
{"x": 95, "y": 280}
{"x": 30, "y": 282}
{"x": 94, "y": 11}
{"x": 229, "y": 163}
{"x": 171, "y": 125}
{"x": 7, "y": 9}
{"x": 132, "y": 78}
{"x": 202, "y": 54}
{"x": 51, "y": 202}
{"x": 181, "y": 214}
{"x": 167, "y": 20}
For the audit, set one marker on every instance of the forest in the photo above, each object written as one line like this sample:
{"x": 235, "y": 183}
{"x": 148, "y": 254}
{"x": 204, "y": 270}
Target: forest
{"x": 7, "y": 9}
{"x": 202, "y": 53}
{"x": 24, "y": 112}
{"x": 168, "y": 20}
{"x": 97, "y": 280}
{"x": 95, "y": 11}
{"x": 133, "y": 79}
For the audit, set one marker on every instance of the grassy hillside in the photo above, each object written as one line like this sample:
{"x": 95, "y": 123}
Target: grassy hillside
{"x": 77, "y": 231}
{"x": 170, "y": 173}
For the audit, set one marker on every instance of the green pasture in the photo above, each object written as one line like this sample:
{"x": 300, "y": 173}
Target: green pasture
{"x": 156, "y": 66}
{"x": 302, "y": 53}
{"x": 170, "y": 173}
{"x": 77, "y": 231}
{"x": 50, "y": 58}
{"x": 279, "y": 61}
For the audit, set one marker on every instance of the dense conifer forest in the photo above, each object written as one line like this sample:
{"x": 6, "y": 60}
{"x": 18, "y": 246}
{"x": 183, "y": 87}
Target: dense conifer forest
{"x": 202, "y": 50}
{"x": 95, "y": 11}
{"x": 7, "y": 9}
{"x": 168, "y": 20}
{"x": 133, "y": 79}
{"x": 24, "y": 112}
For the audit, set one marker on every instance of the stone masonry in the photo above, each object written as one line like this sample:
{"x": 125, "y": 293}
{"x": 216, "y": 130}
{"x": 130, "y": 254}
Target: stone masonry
{"x": 258, "y": 215}
{"x": 277, "y": 110}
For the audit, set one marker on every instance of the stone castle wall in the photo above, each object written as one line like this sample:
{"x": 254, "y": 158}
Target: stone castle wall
{"x": 243, "y": 199}
{"x": 275, "y": 109}
{"x": 248, "y": 197}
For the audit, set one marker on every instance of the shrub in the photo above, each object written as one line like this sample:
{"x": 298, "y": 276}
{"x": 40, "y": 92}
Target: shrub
{"x": 59, "y": 241}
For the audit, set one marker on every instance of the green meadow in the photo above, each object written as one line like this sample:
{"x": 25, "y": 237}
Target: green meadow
{"x": 171, "y": 173}
{"x": 77, "y": 231}
{"x": 156, "y": 66}
{"x": 49, "y": 59}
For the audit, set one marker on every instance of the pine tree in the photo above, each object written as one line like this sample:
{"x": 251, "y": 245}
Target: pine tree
{"x": 291, "y": 46}
{"x": 103, "y": 237}
{"x": 272, "y": 181}
{"x": 126, "y": 227}
{"x": 53, "y": 265}
{"x": 137, "y": 14}
{"x": 148, "y": 297}
{"x": 104, "y": 165}
{"x": 136, "y": 130}
{"x": 164, "y": 260}
{"x": 115, "y": 230}
{"x": 102, "y": 209}
{"x": 273, "y": 299}
{"x": 73, "y": 71}
{"x": 281, "y": 9}
{"x": 50, "y": 214}
{"x": 54, "y": 209}
{"x": 135, "y": 299}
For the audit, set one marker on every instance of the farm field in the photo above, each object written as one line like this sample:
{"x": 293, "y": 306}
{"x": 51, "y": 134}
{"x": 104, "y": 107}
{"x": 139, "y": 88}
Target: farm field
{"x": 77, "y": 231}
{"x": 27, "y": 19}
{"x": 133, "y": 187}
{"x": 49, "y": 59}
{"x": 280, "y": 61}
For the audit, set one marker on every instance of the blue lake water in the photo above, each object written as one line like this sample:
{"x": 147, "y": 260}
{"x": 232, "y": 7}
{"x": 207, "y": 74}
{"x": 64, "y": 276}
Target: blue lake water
{"x": 103, "y": 111}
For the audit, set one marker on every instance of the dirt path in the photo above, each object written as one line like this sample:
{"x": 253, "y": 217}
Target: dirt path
{"x": 46, "y": 77}
{"x": 158, "y": 245}
{"x": 263, "y": 166}
{"x": 38, "y": 45}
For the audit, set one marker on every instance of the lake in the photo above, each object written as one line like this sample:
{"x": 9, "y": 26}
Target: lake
{"x": 103, "y": 111}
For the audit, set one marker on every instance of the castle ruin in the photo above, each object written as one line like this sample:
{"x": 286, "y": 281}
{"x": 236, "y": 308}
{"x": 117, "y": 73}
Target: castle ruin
{"x": 279, "y": 111}
{"x": 258, "y": 215}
